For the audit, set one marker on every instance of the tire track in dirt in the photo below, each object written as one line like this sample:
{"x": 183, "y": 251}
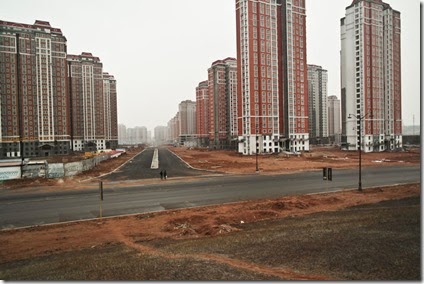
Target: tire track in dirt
{"x": 284, "y": 273}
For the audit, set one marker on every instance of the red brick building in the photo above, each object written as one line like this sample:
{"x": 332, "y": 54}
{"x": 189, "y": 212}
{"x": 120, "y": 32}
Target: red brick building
{"x": 111, "y": 111}
{"x": 371, "y": 77}
{"x": 222, "y": 82}
{"x": 34, "y": 97}
{"x": 202, "y": 113}
{"x": 272, "y": 76}
{"x": 87, "y": 102}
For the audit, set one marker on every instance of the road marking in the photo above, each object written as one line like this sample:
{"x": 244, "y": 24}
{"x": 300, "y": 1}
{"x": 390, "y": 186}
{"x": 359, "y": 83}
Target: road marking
{"x": 155, "y": 160}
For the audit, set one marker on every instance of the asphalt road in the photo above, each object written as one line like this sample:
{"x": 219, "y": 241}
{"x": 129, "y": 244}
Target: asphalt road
{"x": 139, "y": 167}
{"x": 18, "y": 210}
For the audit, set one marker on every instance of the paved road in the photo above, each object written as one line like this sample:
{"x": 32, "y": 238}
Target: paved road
{"x": 42, "y": 208}
{"x": 139, "y": 167}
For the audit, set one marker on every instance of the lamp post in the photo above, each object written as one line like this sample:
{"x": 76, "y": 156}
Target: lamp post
{"x": 257, "y": 149}
{"x": 359, "y": 117}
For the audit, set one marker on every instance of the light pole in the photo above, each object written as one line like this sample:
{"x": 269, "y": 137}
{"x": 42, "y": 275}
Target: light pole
{"x": 257, "y": 148}
{"x": 359, "y": 117}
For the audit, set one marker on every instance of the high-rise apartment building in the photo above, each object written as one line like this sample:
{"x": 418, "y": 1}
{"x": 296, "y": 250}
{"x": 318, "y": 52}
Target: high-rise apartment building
{"x": 33, "y": 91}
{"x": 110, "y": 111}
{"x": 334, "y": 122}
{"x": 122, "y": 134}
{"x": 202, "y": 113}
{"x": 272, "y": 76}
{"x": 137, "y": 135}
{"x": 371, "y": 76}
{"x": 317, "y": 92}
{"x": 174, "y": 129}
{"x": 222, "y": 82}
{"x": 187, "y": 121}
{"x": 87, "y": 102}
{"x": 160, "y": 134}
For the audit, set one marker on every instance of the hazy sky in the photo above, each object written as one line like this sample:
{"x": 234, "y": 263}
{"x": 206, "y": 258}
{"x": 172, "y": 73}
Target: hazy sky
{"x": 159, "y": 51}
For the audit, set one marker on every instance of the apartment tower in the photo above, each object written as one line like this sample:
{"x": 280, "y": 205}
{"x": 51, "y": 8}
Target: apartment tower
{"x": 371, "y": 77}
{"x": 110, "y": 111}
{"x": 222, "y": 82}
{"x": 202, "y": 113}
{"x": 187, "y": 121}
{"x": 334, "y": 125}
{"x": 272, "y": 76}
{"x": 317, "y": 92}
{"x": 122, "y": 134}
{"x": 33, "y": 91}
{"x": 87, "y": 102}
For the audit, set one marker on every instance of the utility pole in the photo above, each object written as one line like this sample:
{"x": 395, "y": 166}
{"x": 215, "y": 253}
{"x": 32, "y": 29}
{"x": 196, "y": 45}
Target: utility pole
{"x": 359, "y": 117}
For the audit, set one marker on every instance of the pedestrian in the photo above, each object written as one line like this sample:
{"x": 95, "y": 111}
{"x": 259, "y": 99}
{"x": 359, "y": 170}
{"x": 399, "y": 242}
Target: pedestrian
{"x": 164, "y": 174}
{"x": 161, "y": 174}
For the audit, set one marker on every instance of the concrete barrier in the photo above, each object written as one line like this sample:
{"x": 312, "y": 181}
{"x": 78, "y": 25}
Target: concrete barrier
{"x": 72, "y": 169}
{"x": 55, "y": 170}
{"x": 11, "y": 169}
{"x": 34, "y": 170}
{"x": 7, "y": 173}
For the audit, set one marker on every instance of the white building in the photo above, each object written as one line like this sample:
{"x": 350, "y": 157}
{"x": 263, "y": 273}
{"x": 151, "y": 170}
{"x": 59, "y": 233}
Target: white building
{"x": 334, "y": 123}
{"x": 317, "y": 92}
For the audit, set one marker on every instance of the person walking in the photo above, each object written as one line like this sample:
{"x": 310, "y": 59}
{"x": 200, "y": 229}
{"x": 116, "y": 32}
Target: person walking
{"x": 164, "y": 174}
{"x": 161, "y": 174}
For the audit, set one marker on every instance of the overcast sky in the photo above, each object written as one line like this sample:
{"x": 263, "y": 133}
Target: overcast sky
{"x": 159, "y": 51}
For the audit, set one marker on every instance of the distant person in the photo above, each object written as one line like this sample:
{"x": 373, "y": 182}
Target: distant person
{"x": 164, "y": 174}
{"x": 161, "y": 174}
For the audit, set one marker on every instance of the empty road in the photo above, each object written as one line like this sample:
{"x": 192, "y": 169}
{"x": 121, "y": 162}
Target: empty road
{"x": 17, "y": 210}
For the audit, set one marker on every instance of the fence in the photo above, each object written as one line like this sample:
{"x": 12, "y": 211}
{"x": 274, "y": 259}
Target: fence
{"x": 35, "y": 169}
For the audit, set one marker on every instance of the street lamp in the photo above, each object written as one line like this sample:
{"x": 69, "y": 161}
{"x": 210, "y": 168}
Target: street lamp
{"x": 359, "y": 117}
{"x": 257, "y": 148}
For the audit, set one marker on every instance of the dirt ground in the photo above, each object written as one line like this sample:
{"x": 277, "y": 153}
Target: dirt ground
{"x": 317, "y": 158}
{"x": 195, "y": 223}
{"x": 209, "y": 221}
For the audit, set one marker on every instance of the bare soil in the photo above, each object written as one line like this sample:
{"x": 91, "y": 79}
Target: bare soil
{"x": 319, "y": 157}
{"x": 188, "y": 224}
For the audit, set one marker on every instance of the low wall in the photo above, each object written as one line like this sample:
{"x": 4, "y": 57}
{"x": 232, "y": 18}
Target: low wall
{"x": 54, "y": 170}
{"x": 7, "y": 173}
{"x": 33, "y": 171}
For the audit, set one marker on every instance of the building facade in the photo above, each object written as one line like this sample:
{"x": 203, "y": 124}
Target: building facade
{"x": 272, "y": 76}
{"x": 110, "y": 111}
{"x": 202, "y": 113}
{"x": 187, "y": 121}
{"x": 371, "y": 77}
{"x": 317, "y": 92}
{"x": 122, "y": 134}
{"x": 34, "y": 98}
{"x": 160, "y": 134}
{"x": 173, "y": 129}
{"x": 87, "y": 102}
{"x": 334, "y": 122}
{"x": 222, "y": 82}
